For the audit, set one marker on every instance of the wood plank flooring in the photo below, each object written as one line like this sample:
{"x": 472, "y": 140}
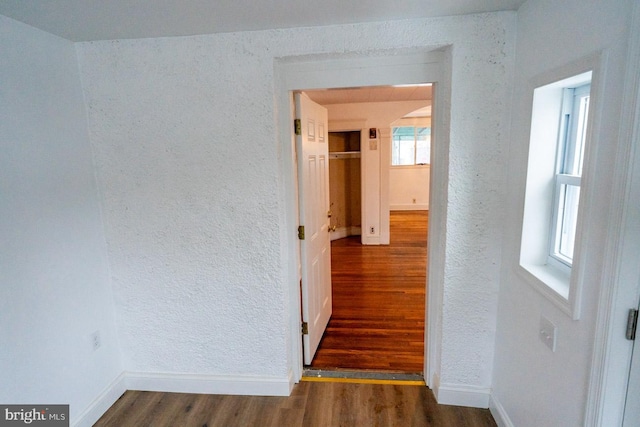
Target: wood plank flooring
{"x": 378, "y": 301}
{"x": 311, "y": 404}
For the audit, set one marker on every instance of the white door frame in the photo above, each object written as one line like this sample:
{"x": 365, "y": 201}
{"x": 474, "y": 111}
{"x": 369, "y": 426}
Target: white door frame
{"x": 612, "y": 352}
{"x": 350, "y": 70}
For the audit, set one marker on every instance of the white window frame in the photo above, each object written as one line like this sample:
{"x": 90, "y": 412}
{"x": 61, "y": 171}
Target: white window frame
{"x": 415, "y": 146}
{"x": 562, "y": 286}
{"x": 571, "y": 138}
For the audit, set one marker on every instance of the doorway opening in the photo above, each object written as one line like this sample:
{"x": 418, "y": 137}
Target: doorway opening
{"x": 292, "y": 74}
{"x": 378, "y": 290}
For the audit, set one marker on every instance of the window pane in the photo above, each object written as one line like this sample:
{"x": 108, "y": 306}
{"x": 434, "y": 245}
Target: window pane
{"x": 572, "y": 147}
{"x": 567, "y": 218}
{"x": 406, "y": 153}
{"x": 423, "y": 146}
{"x": 403, "y": 146}
{"x": 581, "y": 134}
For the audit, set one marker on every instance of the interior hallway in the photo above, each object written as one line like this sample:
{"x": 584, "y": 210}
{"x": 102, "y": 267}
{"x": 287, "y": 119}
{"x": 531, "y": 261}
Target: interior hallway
{"x": 378, "y": 300}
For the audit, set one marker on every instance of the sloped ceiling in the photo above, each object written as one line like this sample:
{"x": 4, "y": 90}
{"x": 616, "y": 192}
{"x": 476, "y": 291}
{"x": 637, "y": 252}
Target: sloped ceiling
{"x": 86, "y": 20}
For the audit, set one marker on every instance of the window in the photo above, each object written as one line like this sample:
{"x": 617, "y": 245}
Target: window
{"x": 571, "y": 144}
{"x": 411, "y": 145}
{"x": 551, "y": 223}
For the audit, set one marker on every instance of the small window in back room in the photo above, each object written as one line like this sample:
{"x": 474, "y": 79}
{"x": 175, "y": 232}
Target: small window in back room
{"x": 411, "y": 145}
{"x": 571, "y": 144}
{"x": 551, "y": 223}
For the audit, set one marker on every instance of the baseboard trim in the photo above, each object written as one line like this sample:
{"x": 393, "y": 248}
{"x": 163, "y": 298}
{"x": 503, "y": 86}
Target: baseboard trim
{"x": 411, "y": 207}
{"x": 209, "y": 384}
{"x": 499, "y": 413}
{"x": 342, "y": 232}
{"x": 462, "y": 395}
{"x": 102, "y": 403}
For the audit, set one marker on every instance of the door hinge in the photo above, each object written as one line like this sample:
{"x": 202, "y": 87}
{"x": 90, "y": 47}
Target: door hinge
{"x": 305, "y": 328}
{"x": 297, "y": 126}
{"x": 301, "y": 232}
{"x": 632, "y": 324}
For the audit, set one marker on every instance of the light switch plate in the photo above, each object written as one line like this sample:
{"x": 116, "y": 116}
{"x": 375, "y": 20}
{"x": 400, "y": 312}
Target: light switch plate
{"x": 548, "y": 333}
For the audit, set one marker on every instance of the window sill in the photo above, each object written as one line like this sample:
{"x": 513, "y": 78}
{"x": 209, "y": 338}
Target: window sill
{"x": 551, "y": 282}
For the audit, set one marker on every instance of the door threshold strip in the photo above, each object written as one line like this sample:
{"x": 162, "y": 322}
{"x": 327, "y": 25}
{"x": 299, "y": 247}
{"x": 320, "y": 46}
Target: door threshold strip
{"x": 362, "y": 377}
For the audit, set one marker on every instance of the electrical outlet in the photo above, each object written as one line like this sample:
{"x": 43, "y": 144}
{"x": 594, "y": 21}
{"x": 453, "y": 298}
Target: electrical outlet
{"x": 548, "y": 333}
{"x": 95, "y": 340}
{"x": 372, "y": 230}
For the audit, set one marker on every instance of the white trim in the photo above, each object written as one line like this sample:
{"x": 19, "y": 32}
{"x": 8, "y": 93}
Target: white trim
{"x": 534, "y": 234}
{"x": 358, "y": 125}
{"x": 410, "y": 207}
{"x": 102, "y": 403}
{"x": 438, "y": 201}
{"x": 461, "y": 394}
{"x": 182, "y": 383}
{"x": 342, "y": 232}
{"x": 499, "y": 413}
{"x": 612, "y": 353}
{"x": 385, "y": 182}
{"x": 209, "y": 384}
{"x": 348, "y": 70}
{"x": 400, "y": 167}
{"x": 371, "y": 239}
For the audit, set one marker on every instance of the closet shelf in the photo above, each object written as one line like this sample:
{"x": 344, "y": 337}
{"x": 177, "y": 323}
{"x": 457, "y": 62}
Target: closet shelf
{"x": 344, "y": 155}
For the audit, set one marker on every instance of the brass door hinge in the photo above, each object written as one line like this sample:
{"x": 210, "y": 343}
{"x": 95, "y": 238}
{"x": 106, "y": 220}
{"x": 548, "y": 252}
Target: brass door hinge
{"x": 301, "y": 232}
{"x": 305, "y": 328}
{"x": 297, "y": 126}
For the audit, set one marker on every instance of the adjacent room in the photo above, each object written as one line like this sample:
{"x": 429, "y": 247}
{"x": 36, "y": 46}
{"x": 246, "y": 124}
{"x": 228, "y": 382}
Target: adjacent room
{"x": 378, "y": 286}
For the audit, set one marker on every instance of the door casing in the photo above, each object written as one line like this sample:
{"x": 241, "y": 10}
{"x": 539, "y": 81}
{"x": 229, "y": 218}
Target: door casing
{"x": 374, "y": 69}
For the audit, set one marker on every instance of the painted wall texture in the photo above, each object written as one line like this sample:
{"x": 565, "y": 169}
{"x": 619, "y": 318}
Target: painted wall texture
{"x": 54, "y": 281}
{"x": 187, "y": 154}
{"x": 534, "y": 385}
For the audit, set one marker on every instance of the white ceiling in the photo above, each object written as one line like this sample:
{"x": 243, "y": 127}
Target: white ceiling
{"x": 375, "y": 94}
{"x": 370, "y": 94}
{"x": 85, "y": 20}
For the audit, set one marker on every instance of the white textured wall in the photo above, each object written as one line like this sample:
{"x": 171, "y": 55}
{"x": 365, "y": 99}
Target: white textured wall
{"x": 54, "y": 282}
{"x": 187, "y": 160}
{"x": 534, "y": 386}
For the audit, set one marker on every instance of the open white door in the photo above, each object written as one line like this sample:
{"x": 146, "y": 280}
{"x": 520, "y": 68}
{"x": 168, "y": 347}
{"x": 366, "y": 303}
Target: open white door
{"x": 312, "y": 145}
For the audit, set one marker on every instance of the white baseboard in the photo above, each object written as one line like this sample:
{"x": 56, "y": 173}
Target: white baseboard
{"x": 101, "y": 403}
{"x": 409, "y": 207}
{"x": 499, "y": 413}
{"x": 342, "y": 232}
{"x": 210, "y": 384}
{"x": 182, "y": 383}
{"x": 461, "y": 394}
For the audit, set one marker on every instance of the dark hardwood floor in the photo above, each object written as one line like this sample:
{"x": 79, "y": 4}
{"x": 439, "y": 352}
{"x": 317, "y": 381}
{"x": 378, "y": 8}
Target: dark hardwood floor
{"x": 311, "y": 404}
{"x": 378, "y": 301}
